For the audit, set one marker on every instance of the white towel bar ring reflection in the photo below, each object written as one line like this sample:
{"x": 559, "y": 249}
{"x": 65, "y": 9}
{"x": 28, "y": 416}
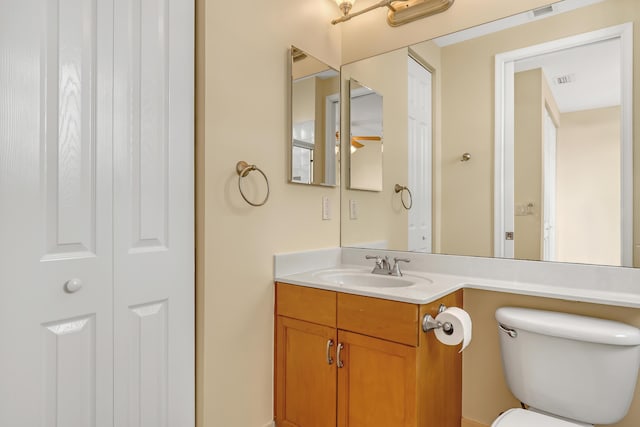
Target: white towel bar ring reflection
{"x": 243, "y": 169}
{"x": 401, "y": 189}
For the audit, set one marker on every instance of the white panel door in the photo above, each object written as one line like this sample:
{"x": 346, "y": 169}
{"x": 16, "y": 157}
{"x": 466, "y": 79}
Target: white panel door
{"x": 56, "y": 346}
{"x": 419, "y": 153}
{"x": 549, "y": 184}
{"x": 154, "y": 213}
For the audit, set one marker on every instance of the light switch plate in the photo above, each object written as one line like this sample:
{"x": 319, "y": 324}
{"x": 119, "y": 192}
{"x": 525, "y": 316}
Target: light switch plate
{"x": 326, "y": 208}
{"x": 353, "y": 209}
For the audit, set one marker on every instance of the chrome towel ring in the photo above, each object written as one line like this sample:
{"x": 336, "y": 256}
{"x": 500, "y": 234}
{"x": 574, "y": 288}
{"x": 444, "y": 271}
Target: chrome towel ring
{"x": 243, "y": 169}
{"x": 401, "y": 189}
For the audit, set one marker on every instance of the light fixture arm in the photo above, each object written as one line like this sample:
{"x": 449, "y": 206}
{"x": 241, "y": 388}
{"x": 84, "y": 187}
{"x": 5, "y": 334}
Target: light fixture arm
{"x": 381, "y": 3}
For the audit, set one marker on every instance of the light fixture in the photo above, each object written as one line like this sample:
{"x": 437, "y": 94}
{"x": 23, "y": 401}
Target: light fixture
{"x": 400, "y": 11}
{"x": 345, "y": 5}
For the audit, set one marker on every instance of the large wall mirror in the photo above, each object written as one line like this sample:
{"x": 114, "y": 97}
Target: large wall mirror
{"x": 315, "y": 121}
{"x": 515, "y": 138}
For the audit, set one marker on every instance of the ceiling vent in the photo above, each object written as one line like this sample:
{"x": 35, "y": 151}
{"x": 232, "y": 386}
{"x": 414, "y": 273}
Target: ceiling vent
{"x": 566, "y": 79}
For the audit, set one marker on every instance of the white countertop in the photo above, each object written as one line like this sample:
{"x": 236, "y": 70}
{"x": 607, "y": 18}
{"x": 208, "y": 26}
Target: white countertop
{"x": 427, "y": 287}
{"x": 306, "y": 268}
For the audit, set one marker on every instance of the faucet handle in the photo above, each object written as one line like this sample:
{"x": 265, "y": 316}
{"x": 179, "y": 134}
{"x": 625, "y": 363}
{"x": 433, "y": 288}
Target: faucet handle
{"x": 396, "y": 266}
{"x": 377, "y": 258}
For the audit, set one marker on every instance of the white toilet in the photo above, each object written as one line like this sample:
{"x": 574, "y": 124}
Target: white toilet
{"x": 570, "y": 370}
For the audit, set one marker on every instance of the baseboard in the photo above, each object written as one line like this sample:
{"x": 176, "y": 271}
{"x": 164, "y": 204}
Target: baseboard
{"x": 470, "y": 423}
{"x": 271, "y": 424}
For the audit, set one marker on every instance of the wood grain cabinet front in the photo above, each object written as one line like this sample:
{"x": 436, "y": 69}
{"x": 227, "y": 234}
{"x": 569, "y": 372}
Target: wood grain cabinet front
{"x": 351, "y": 361}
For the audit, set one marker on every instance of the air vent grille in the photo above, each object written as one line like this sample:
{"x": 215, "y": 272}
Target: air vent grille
{"x": 566, "y": 79}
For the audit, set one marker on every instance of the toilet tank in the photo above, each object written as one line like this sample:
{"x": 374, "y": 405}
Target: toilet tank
{"x": 577, "y": 367}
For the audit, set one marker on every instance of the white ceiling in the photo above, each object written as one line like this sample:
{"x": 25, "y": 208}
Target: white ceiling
{"x": 593, "y": 72}
{"x": 513, "y": 21}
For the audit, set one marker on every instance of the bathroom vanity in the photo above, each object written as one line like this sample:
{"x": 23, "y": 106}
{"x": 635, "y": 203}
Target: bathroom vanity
{"x": 345, "y": 359}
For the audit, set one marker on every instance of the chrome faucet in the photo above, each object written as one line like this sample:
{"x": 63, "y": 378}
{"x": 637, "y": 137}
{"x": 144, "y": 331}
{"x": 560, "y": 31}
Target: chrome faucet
{"x": 383, "y": 265}
{"x": 395, "y": 271}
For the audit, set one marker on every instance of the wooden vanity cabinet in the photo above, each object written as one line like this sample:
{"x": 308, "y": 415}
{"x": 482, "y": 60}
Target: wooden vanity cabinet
{"x": 352, "y": 361}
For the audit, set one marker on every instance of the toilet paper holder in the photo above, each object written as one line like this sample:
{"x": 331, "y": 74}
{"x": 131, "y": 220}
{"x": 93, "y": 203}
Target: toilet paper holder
{"x": 429, "y": 323}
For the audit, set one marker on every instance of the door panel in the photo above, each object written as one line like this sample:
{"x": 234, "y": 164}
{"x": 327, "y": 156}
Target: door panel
{"x": 153, "y": 213}
{"x": 148, "y": 358}
{"x": 419, "y": 152}
{"x": 56, "y": 358}
{"x": 69, "y": 357}
{"x": 69, "y": 130}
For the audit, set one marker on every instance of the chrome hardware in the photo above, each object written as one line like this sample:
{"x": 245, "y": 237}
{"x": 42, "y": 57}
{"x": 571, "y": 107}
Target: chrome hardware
{"x": 339, "y": 364}
{"x": 395, "y": 271}
{"x": 465, "y": 157}
{"x": 329, "y": 358}
{"x": 429, "y": 323}
{"x": 508, "y": 235}
{"x": 72, "y": 285}
{"x": 511, "y": 332}
{"x": 383, "y": 266}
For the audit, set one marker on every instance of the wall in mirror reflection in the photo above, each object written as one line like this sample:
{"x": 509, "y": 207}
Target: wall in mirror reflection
{"x": 587, "y": 199}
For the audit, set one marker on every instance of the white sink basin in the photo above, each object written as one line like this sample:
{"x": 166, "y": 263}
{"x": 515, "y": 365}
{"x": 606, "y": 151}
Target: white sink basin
{"x": 361, "y": 279}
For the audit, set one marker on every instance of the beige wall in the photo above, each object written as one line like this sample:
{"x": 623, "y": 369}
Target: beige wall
{"x": 303, "y": 95}
{"x": 242, "y": 109}
{"x": 468, "y": 119}
{"x": 324, "y": 88}
{"x": 365, "y": 164}
{"x": 485, "y": 393}
{"x": 588, "y": 193}
{"x": 529, "y": 134}
{"x": 532, "y": 97}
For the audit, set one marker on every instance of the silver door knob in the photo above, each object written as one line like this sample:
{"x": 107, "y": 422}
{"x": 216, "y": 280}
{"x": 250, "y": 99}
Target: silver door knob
{"x": 73, "y": 285}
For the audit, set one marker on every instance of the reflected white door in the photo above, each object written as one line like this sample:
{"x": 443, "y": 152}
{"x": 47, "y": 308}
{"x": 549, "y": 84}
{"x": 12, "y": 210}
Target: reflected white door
{"x": 419, "y": 153}
{"x": 153, "y": 214}
{"x": 549, "y": 189}
{"x": 56, "y": 341}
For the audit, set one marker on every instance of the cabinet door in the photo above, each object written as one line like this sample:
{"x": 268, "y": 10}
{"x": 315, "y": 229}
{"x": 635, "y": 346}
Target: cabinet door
{"x": 305, "y": 379}
{"x": 377, "y": 383}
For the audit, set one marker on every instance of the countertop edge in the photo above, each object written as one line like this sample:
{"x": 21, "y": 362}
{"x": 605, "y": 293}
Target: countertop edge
{"x": 453, "y": 283}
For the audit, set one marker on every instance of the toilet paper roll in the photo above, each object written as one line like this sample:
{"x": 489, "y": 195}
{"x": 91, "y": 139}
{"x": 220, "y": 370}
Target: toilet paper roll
{"x": 461, "y": 322}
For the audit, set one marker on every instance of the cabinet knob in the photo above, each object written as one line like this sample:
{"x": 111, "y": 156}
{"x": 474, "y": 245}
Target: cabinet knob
{"x": 73, "y": 285}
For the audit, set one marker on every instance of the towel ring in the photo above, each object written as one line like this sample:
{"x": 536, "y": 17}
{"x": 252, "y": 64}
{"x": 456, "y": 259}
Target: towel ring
{"x": 401, "y": 189}
{"x": 243, "y": 169}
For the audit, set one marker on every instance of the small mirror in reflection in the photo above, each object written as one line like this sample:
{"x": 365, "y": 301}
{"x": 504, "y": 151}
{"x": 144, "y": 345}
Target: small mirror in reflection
{"x": 365, "y": 155}
{"x": 315, "y": 120}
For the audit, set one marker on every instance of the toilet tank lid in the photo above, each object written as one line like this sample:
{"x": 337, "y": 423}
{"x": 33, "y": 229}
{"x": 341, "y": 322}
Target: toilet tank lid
{"x": 569, "y": 326}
